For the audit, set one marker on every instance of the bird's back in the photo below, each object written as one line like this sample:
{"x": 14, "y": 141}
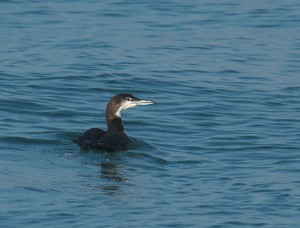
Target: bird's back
{"x": 96, "y": 138}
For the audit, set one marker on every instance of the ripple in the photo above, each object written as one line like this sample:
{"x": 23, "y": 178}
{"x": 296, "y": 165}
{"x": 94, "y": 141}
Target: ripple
{"x": 147, "y": 157}
{"x": 26, "y": 140}
{"x": 24, "y": 105}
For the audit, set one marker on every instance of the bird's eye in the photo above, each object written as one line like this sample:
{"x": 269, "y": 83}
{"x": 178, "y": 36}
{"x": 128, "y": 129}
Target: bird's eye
{"x": 128, "y": 99}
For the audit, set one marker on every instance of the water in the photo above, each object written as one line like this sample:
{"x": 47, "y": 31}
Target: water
{"x": 220, "y": 148}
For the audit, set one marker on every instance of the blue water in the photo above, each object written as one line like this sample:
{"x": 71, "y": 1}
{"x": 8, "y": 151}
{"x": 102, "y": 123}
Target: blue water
{"x": 220, "y": 148}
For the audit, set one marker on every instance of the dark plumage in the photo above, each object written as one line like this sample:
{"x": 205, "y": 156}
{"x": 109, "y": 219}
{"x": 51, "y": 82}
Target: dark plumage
{"x": 115, "y": 138}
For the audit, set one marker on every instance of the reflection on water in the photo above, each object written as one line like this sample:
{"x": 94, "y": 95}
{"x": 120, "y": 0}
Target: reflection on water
{"x": 111, "y": 171}
{"x": 109, "y": 174}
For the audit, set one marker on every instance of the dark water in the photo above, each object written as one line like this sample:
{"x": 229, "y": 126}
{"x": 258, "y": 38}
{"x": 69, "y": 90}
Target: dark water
{"x": 219, "y": 149}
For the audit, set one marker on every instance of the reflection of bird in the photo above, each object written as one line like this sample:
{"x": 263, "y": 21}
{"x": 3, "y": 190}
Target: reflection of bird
{"x": 111, "y": 171}
{"x": 115, "y": 138}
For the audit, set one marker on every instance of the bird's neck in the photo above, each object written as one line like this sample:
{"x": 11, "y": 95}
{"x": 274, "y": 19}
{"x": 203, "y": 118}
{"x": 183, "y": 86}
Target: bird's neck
{"x": 113, "y": 119}
{"x": 114, "y": 124}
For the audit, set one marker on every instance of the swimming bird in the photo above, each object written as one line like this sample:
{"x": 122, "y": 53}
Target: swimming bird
{"x": 115, "y": 137}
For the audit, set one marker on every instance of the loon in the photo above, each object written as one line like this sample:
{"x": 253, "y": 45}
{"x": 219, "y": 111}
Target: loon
{"x": 114, "y": 138}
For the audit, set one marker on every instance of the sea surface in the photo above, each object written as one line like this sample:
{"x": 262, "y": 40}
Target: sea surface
{"x": 219, "y": 148}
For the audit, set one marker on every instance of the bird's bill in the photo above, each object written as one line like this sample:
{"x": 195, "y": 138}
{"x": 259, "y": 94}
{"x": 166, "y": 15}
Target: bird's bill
{"x": 142, "y": 102}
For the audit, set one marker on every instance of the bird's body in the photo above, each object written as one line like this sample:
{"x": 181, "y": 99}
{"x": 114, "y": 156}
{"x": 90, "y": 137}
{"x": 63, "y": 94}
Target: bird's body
{"x": 114, "y": 138}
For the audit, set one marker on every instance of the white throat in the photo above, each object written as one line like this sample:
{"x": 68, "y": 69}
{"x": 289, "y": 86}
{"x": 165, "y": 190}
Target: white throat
{"x": 126, "y": 105}
{"x": 118, "y": 113}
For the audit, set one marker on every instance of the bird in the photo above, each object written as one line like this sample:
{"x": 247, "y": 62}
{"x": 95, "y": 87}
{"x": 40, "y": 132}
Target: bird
{"x": 115, "y": 137}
